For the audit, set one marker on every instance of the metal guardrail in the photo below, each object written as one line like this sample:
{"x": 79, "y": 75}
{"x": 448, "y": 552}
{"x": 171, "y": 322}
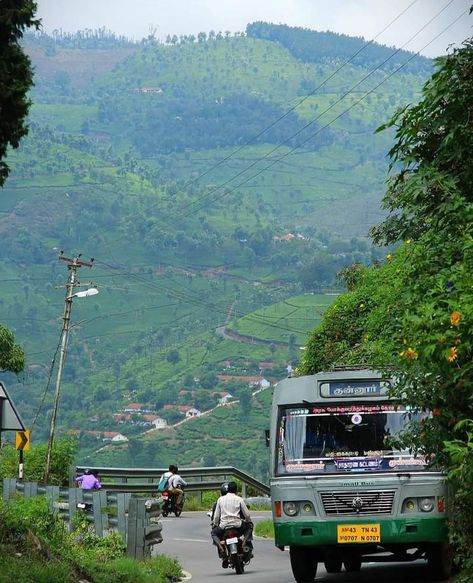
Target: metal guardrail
{"x": 145, "y": 480}
{"x": 135, "y": 518}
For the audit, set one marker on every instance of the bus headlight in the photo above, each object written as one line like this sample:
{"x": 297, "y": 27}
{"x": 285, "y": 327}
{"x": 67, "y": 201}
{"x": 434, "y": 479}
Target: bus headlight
{"x": 290, "y": 508}
{"x": 410, "y": 505}
{"x": 426, "y": 504}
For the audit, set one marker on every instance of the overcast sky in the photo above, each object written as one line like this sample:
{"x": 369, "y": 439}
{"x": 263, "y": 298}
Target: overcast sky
{"x": 367, "y": 18}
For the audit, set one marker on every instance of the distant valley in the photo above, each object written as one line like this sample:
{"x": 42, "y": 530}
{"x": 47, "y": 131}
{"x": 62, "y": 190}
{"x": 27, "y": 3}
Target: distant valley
{"x": 220, "y": 182}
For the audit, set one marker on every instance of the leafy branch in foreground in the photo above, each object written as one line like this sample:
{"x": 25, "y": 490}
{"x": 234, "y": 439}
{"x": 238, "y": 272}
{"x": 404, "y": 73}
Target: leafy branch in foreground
{"x": 414, "y": 314}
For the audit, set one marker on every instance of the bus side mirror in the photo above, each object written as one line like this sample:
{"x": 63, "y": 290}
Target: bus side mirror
{"x": 266, "y": 437}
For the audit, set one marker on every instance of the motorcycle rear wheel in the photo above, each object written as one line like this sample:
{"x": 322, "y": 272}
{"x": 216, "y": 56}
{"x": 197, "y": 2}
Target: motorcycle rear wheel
{"x": 238, "y": 564}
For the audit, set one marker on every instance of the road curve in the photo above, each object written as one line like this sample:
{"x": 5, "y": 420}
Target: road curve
{"x": 188, "y": 539}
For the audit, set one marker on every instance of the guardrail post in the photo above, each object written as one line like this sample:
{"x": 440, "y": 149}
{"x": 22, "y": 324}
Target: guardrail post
{"x": 52, "y": 496}
{"x": 136, "y": 524}
{"x": 199, "y": 492}
{"x": 99, "y": 501}
{"x": 9, "y": 488}
{"x": 142, "y": 534}
{"x": 122, "y": 506}
{"x": 31, "y": 489}
{"x": 154, "y": 527}
{"x": 75, "y": 496}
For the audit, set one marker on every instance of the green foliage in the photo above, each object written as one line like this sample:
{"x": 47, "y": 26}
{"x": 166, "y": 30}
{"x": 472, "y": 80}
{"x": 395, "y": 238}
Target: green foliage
{"x": 15, "y": 75}
{"x": 12, "y": 356}
{"x": 361, "y": 326}
{"x": 62, "y": 457}
{"x": 265, "y": 528}
{"x": 78, "y": 555}
{"x": 316, "y": 46}
{"x": 431, "y": 202}
{"x": 460, "y": 453}
{"x": 434, "y": 186}
{"x": 422, "y": 314}
{"x": 31, "y": 513}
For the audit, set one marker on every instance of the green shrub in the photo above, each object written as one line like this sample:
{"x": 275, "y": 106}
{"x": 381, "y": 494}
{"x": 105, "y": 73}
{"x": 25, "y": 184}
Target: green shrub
{"x": 80, "y": 554}
{"x": 62, "y": 457}
{"x": 265, "y": 528}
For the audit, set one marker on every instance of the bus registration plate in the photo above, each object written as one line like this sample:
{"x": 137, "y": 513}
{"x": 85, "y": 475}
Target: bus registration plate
{"x": 358, "y": 533}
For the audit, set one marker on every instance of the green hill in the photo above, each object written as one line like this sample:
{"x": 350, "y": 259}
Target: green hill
{"x": 216, "y": 180}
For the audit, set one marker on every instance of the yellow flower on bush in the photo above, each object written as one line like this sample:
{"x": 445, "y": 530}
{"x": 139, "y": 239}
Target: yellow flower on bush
{"x": 452, "y": 354}
{"x": 409, "y": 354}
{"x": 455, "y": 318}
{"x": 389, "y": 257}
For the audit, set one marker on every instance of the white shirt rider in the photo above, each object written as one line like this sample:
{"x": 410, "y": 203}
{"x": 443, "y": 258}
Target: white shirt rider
{"x": 229, "y": 510}
{"x": 175, "y": 481}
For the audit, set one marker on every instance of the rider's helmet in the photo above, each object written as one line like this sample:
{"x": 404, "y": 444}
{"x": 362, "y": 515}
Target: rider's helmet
{"x": 87, "y": 471}
{"x": 232, "y": 487}
{"x": 224, "y": 488}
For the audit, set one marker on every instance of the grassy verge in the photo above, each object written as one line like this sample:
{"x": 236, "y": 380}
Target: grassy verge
{"x": 265, "y": 528}
{"x": 35, "y": 547}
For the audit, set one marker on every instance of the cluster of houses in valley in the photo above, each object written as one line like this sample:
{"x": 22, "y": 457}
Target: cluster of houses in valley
{"x": 144, "y": 415}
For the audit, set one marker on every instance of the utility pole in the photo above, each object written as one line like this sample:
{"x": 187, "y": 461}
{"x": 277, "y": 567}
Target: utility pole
{"x": 73, "y": 265}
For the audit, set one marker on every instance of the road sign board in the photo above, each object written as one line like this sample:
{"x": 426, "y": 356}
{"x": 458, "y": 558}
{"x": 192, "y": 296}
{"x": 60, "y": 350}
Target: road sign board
{"x": 22, "y": 440}
{"x": 10, "y": 419}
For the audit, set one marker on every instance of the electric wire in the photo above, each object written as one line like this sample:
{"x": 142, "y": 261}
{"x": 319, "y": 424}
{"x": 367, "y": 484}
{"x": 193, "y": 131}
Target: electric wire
{"x": 287, "y": 153}
{"x": 258, "y": 319}
{"x": 284, "y": 155}
{"x": 299, "y": 102}
{"x": 51, "y": 369}
{"x": 189, "y": 183}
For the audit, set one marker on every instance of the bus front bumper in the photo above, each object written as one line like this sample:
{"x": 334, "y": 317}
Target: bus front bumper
{"x": 404, "y": 531}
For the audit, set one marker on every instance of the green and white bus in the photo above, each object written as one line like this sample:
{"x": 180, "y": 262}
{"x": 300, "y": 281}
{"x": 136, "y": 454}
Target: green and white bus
{"x": 341, "y": 493}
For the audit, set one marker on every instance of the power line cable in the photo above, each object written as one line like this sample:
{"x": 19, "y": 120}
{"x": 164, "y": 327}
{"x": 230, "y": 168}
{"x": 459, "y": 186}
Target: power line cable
{"x": 45, "y": 392}
{"x": 273, "y": 150}
{"x": 350, "y": 107}
{"x": 299, "y": 102}
{"x": 232, "y": 154}
{"x": 186, "y": 297}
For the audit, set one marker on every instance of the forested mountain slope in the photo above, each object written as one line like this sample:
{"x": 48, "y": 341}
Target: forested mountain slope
{"x": 210, "y": 177}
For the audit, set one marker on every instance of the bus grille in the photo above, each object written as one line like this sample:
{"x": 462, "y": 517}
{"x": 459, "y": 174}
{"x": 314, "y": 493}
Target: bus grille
{"x": 356, "y": 503}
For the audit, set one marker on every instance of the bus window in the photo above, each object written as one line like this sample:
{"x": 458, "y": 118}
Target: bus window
{"x": 342, "y": 438}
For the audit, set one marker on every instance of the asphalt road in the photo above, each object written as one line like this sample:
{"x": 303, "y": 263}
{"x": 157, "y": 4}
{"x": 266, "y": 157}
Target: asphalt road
{"x": 188, "y": 539}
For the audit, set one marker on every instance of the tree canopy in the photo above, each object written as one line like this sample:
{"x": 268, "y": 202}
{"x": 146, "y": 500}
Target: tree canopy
{"x": 12, "y": 357}
{"x": 413, "y": 315}
{"x": 16, "y": 75}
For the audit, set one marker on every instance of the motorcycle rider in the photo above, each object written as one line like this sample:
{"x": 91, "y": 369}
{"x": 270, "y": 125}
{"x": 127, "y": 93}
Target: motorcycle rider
{"x": 174, "y": 485}
{"x": 223, "y": 492}
{"x": 231, "y": 511}
{"x": 88, "y": 481}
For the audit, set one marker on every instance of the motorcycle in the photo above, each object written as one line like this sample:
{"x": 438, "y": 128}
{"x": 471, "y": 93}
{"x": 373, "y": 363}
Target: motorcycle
{"x": 170, "y": 503}
{"x": 238, "y": 552}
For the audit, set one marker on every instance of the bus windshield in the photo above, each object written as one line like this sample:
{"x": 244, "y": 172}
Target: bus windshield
{"x": 315, "y": 439}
